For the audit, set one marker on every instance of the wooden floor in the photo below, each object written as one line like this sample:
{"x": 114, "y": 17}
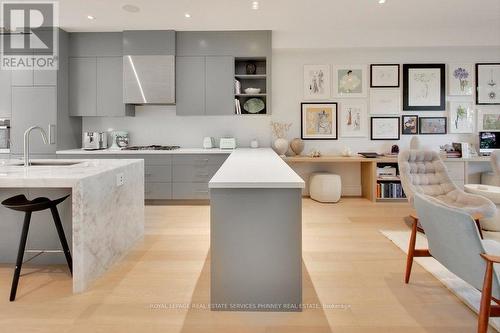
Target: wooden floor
{"x": 348, "y": 266}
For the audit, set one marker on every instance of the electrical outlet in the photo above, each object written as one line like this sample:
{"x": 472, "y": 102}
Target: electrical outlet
{"x": 120, "y": 179}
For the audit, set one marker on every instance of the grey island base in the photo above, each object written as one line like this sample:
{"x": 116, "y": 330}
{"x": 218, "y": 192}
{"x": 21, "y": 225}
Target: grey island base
{"x": 256, "y": 234}
{"x": 102, "y": 219}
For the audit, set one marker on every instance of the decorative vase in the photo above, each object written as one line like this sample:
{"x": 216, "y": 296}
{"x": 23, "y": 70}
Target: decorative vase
{"x": 280, "y": 146}
{"x": 297, "y": 146}
{"x": 251, "y": 68}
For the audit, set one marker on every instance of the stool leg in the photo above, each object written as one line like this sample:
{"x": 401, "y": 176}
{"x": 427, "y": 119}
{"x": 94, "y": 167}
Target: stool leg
{"x": 20, "y": 256}
{"x": 62, "y": 238}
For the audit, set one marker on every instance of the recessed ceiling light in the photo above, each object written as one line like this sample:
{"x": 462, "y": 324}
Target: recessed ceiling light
{"x": 131, "y": 8}
{"x": 381, "y": 1}
{"x": 90, "y": 17}
{"x": 187, "y": 15}
{"x": 255, "y": 5}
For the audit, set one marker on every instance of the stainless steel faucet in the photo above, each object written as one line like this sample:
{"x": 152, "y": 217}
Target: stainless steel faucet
{"x": 27, "y": 142}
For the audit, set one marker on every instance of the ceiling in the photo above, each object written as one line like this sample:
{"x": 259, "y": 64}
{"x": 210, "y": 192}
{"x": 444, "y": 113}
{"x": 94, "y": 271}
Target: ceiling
{"x": 305, "y": 23}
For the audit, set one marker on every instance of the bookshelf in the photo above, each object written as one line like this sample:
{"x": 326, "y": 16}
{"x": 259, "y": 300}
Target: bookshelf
{"x": 246, "y": 79}
{"x": 388, "y": 187}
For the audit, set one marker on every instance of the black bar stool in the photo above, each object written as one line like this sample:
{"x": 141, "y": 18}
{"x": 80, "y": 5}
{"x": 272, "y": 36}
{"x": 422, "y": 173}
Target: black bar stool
{"x": 21, "y": 203}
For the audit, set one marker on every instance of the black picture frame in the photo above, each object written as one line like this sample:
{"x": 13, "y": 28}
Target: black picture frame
{"x": 417, "y": 124}
{"x": 387, "y": 138}
{"x": 382, "y": 65}
{"x": 442, "y": 88}
{"x": 477, "y": 81}
{"x": 336, "y": 120}
{"x": 420, "y": 119}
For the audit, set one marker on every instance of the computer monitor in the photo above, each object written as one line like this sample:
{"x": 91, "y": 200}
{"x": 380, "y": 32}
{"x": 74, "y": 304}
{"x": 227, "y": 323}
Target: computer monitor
{"x": 488, "y": 141}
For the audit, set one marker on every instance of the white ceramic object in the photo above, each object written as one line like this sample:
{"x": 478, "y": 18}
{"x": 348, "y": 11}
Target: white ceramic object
{"x": 325, "y": 187}
{"x": 254, "y": 143}
{"x": 252, "y": 91}
{"x": 492, "y": 193}
{"x": 281, "y": 146}
{"x": 347, "y": 152}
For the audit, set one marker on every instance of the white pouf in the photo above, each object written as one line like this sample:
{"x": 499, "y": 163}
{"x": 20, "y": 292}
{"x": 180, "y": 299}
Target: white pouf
{"x": 492, "y": 193}
{"x": 325, "y": 187}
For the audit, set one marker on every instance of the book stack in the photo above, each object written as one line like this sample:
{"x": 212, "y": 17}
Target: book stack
{"x": 237, "y": 106}
{"x": 387, "y": 190}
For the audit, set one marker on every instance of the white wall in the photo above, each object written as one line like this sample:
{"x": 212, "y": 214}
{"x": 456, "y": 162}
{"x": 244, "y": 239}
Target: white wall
{"x": 160, "y": 125}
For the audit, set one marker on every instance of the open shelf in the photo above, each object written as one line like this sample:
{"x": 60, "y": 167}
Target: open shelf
{"x": 250, "y": 95}
{"x": 258, "y": 79}
{"x": 251, "y": 76}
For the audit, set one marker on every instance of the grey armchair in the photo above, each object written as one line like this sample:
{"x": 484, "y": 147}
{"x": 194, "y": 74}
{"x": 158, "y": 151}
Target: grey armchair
{"x": 455, "y": 242}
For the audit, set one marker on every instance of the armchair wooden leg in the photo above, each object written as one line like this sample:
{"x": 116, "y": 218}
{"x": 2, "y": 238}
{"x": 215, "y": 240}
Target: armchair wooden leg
{"x": 412, "y": 252}
{"x": 484, "y": 310}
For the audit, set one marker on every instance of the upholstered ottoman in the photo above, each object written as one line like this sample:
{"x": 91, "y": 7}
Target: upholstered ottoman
{"x": 492, "y": 193}
{"x": 325, "y": 187}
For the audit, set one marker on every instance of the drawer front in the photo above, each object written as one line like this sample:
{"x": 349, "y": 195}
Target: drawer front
{"x": 157, "y": 159}
{"x": 158, "y": 173}
{"x": 157, "y": 191}
{"x": 456, "y": 170}
{"x": 200, "y": 159}
{"x": 190, "y": 191}
{"x": 194, "y": 172}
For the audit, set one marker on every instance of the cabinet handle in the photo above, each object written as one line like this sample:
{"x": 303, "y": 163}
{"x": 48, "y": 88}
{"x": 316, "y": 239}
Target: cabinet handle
{"x": 148, "y": 175}
{"x": 200, "y": 191}
{"x": 203, "y": 175}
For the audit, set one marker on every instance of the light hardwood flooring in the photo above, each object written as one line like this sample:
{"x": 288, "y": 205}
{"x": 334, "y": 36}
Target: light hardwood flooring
{"x": 346, "y": 262}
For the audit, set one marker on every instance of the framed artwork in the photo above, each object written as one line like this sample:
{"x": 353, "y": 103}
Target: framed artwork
{"x": 353, "y": 119}
{"x": 487, "y": 84}
{"x": 385, "y": 101}
{"x": 385, "y": 128}
{"x": 316, "y": 82}
{"x": 460, "y": 79}
{"x": 424, "y": 87}
{"x": 410, "y": 125}
{"x": 319, "y": 121}
{"x": 349, "y": 81}
{"x": 384, "y": 76}
{"x": 432, "y": 125}
{"x": 488, "y": 120}
{"x": 461, "y": 117}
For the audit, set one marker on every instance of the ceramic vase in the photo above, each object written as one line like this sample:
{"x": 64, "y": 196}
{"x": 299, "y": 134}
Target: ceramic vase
{"x": 280, "y": 146}
{"x": 297, "y": 146}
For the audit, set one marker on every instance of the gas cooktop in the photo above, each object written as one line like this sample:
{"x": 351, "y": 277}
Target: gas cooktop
{"x": 152, "y": 147}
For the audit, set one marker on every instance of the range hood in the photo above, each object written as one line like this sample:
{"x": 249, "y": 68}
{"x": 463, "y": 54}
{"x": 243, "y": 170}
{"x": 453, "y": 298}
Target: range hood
{"x": 149, "y": 67}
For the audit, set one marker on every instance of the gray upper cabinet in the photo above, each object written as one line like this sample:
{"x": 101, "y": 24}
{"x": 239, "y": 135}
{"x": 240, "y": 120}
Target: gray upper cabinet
{"x": 109, "y": 86}
{"x": 44, "y": 78}
{"x": 149, "y": 42}
{"x": 5, "y": 94}
{"x": 82, "y": 86}
{"x": 95, "y": 44}
{"x": 33, "y": 106}
{"x": 219, "y": 85}
{"x": 22, "y": 78}
{"x": 190, "y": 86}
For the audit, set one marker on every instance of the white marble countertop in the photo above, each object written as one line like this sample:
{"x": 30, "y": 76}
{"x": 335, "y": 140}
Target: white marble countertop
{"x": 14, "y": 174}
{"x": 255, "y": 168}
{"x": 147, "y": 152}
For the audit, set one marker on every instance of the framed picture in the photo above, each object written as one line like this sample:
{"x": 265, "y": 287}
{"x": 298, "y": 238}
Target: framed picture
{"x": 432, "y": 125}
{"x": 353, "y": 119}
{"x": 385, "y": 128}
{"x": 488, "y": 120}
{"x": 461, "y": 117}
{"x": 460, "y": 79}
{"x": 487, "y": 84}
{"x": 410, "y": 125}
{"x": 316, "y": 82}
{"x": 385, "y": 101}
{"x": 384, "y": 76}
{"x": 424, "y": 87}
{"x": 349, "y": 81}
{"x": 319, "y": 121}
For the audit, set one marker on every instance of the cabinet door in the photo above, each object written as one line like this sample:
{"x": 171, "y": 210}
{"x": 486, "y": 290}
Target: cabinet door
{"x": 5, "y": 93}
{"x": 110, "y": 86}
{"x": 33, "y": 106}
{"x": 219, "y": 85}
{"x": 82, "y": 86}
{"x": 190, "y": 86}
{"x": 22, "y": 78}
{"x": 45, "y": 77}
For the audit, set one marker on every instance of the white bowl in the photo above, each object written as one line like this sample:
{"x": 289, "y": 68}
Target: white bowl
{"x": 252, "y": 90}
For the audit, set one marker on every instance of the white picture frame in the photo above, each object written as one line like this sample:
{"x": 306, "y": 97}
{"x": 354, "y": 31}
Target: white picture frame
{"x": 461, "y": 79}
{"x": 317, "y": 82}
{"x": 461, "y": 119}
{"x": 350, "y": 81}
{"x": 385, "y": 101}
{"x": 488, "y": 119}
{"x": 353, "y": 119}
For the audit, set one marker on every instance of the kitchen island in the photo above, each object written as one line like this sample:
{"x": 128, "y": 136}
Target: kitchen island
{"x": 103, "y": 217}
{"x": 256, "y": 234}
